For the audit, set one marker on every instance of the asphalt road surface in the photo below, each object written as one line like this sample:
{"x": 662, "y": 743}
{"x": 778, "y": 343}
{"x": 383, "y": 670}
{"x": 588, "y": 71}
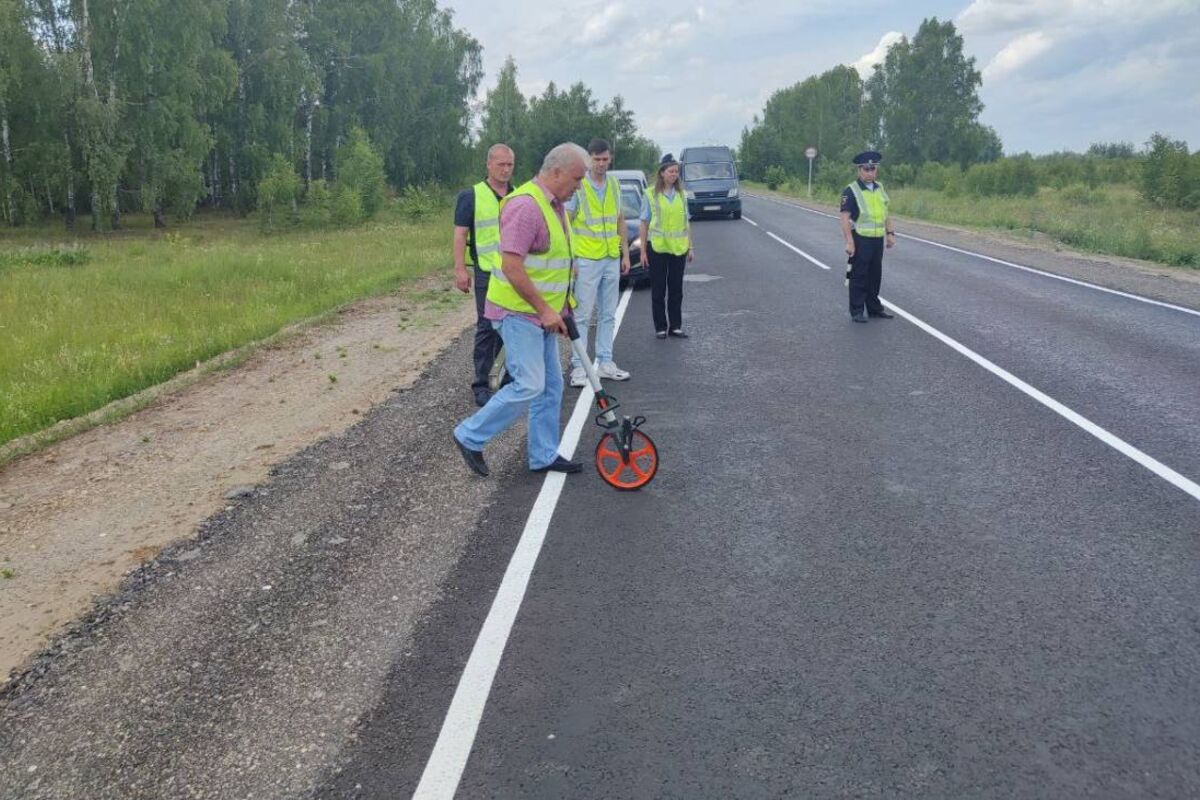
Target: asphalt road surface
{"x": 953, "y": 554}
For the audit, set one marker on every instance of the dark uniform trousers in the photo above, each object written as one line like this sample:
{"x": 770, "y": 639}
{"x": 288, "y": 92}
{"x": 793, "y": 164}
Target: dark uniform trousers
{"x": 487, "y": 338}
{"x": 866, "y": 273}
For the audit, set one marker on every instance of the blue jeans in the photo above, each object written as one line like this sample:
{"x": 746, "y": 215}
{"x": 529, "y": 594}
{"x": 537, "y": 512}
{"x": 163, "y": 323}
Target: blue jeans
{"x": 531, "y": 357}
{"x": 597, "y": 287}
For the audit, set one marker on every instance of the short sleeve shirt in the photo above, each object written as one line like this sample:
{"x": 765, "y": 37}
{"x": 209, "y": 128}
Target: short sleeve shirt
{"x": 464, "y": 216}
{"x": 523, "y": 231}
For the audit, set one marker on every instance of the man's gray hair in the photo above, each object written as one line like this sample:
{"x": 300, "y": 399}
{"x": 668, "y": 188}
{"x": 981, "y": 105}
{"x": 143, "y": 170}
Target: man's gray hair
{"x": 564, "y": 155}
{"x": 497, "y": 149}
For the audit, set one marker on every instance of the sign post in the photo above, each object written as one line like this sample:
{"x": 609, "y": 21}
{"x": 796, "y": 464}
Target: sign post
{"x": 811, "y": 153}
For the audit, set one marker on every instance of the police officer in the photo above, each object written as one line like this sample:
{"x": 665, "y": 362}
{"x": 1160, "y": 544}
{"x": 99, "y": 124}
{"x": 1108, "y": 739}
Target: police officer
{"x": 867, "y": 229}
{"x": 477, "y": 236}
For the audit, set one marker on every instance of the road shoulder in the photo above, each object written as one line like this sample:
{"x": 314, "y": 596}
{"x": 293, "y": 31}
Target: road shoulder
{"x": 77, "y": 516}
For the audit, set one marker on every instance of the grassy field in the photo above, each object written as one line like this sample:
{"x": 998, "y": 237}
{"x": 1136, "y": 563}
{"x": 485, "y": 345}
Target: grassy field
{"x": 89, "y": 319}
{"x": 1108, "y": 219}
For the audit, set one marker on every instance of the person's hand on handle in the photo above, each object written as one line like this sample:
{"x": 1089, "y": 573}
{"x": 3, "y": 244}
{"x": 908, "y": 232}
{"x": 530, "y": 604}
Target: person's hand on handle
{"x": 552, "y": 321}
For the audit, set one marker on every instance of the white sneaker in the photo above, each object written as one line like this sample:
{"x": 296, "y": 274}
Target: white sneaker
{"x": 611, "y": 371}
{"x": 578, "y": 378}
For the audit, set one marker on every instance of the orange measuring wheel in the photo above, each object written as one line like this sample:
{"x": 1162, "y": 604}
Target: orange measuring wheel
{"x": 627, "y": 474}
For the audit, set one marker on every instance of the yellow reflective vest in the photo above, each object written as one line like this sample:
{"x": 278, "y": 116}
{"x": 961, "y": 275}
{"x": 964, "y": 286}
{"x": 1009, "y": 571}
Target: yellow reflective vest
{"x": 549, "y": 271}
{"x": 487, "y": 227}
{"x": 668, "y": 222}
{"x": 596, "y": 234}
{"x": 872, "y": 210}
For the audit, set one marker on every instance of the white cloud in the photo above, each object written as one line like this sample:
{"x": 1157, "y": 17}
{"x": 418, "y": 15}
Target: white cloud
{"x": 866, "y": 63}
{"x": 604, "y": 27}
{"x": 1017, "y": 53}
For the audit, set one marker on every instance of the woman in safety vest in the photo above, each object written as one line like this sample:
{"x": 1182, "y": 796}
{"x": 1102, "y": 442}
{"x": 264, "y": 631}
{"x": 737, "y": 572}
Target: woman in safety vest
{"x": 665, "y": 219}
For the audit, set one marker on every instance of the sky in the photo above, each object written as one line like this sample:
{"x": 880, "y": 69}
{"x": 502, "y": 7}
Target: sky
{"x": 1057, "y": 74}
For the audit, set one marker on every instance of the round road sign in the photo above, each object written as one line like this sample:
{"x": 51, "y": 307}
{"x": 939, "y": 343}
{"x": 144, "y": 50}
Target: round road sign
{"x": 810, "y": 152}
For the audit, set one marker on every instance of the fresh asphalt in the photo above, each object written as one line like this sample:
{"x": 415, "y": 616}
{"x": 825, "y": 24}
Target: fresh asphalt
{"x": 868, "y": 567}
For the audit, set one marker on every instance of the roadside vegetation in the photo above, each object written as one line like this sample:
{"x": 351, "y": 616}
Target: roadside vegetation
{"x": 94, "y": 318}
{"x": 920, "y": 107}
{"x": 1102, "y": 201}
{"x": 238, "y": 165}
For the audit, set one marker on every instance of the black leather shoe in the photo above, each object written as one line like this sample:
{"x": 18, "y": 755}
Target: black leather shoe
{"x": 474, "y": 458}
{"x": 481, "y": 398}
{"x": 679, "y": 333}
{"x": 560, "y": 464}
{"x": 882, "y": 314}
{"x": 859, "y": 316}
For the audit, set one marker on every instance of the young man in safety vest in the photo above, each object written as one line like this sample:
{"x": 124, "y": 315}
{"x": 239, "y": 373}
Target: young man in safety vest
{"x": 477, "y": 237}
{"x": 527, "y": 299}
{"x": 601, "y": 246}
{"x": 867, "y": 229}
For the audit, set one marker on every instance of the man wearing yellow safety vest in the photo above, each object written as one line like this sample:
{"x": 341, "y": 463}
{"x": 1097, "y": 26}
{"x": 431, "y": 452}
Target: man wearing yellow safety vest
{"x": 527, "y": 298}
{"x": 477, "y": 238}
{"x": 867, "y": 229}
{"x": 601, "y": 247}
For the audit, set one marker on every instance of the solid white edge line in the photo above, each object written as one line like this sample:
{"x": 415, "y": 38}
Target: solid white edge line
{"x": 747, "y": 219}
{"x": 446, "y": 763}
{"x": 1115, "y": 442}
{"x": 1120, "y": 445}
{"x": 1139, "y": 298}
{"x": 797, "y": 250}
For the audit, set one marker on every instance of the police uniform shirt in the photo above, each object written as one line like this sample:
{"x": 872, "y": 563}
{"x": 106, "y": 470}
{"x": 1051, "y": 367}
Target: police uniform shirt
{"x": 464, "y": 215}
{"x": 849, "y": 204}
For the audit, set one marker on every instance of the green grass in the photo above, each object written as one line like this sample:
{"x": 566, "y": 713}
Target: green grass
{"x": 1109, "y": 219}
{"x": 88, "y": 319}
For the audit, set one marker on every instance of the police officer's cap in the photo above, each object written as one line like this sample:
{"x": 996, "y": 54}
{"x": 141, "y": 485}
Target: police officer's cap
{"x": 869, "y": 158}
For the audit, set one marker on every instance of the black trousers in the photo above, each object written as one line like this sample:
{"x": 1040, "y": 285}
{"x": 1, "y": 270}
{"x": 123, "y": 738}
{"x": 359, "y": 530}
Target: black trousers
{"x": 666, "y": 289}
{"x": 487, "y": 338}
{"x": 866, "y": 273}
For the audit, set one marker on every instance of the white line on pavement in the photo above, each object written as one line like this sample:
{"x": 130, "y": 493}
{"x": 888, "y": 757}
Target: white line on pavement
{"x": 446, "y": 763}
{"x": 795, "y": 249}
{"x": 1120, "y": 445}
{"x": 1002, "y": 262}
{"x": 752, "y": 222}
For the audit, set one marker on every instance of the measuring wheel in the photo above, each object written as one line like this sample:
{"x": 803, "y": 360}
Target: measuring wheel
{"x": 630, "y": 470}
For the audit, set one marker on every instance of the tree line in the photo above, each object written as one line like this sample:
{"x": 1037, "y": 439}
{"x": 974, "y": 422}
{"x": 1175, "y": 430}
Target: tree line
{"x": 115, "y": 105}
{"x": 109, "y": 106}
{"x": 533, "y": 125}
{"x": 921, "y": 107}
{"x": 920, "y": 104}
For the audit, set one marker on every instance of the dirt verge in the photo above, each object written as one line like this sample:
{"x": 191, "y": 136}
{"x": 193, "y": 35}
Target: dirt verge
{"x": 78, "y": 515}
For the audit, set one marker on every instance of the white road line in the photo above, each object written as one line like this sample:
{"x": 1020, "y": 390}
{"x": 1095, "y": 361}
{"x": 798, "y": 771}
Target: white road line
{"x": 445, "y": 767}
{"x": 795, "y": 249}
{"x": 747, "y": 219}
{"x": 1120, "y": 445}
{"x": 1002, "y": 262}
